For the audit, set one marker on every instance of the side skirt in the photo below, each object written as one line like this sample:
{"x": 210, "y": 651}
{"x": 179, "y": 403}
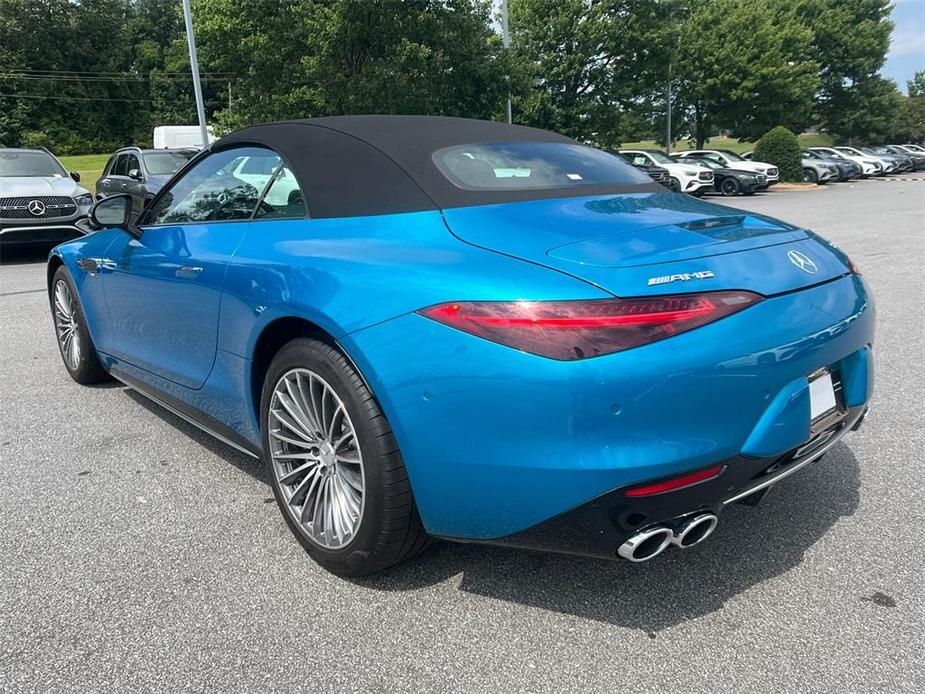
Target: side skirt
{"x": 188, "y": 413}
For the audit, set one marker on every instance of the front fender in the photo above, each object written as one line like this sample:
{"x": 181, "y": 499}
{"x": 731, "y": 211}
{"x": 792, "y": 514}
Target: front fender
{"x": 89, "y": 287}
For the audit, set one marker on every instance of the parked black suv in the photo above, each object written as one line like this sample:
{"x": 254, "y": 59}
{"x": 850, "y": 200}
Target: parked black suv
{"x": 731, "y": 182}
{"x": 656, "y": 173}
{"x": 140, "y": 173}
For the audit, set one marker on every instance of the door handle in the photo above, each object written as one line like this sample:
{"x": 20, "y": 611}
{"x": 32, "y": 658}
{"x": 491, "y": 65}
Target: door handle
{"x": 95, "y": 266}
{"x": 188, "y": 272}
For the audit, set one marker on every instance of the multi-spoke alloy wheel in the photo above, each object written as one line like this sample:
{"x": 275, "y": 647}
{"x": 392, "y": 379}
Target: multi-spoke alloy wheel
{"x": 316, "y": 458}
{"x": 67, "y": 325}
{"x": 77, "y": 349}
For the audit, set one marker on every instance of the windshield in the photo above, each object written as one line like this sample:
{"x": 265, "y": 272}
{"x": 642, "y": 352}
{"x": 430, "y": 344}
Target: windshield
{"x": 39, "y": 164}
{"x": 730, "y": 155}
{"x": 164, "y": 163}
{"x": 661, "y": 157}
{"x": 532, "y": 165}
{"x": 709, "y": 163}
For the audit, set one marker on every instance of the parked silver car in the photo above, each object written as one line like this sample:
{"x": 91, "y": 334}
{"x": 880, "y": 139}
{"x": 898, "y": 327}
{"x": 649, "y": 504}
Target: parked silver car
{"x": 814, "y": 170}
{"x": 40, "y": 202}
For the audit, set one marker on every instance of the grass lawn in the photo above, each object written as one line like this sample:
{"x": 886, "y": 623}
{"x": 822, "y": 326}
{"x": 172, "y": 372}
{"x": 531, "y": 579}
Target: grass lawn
{"x": 730, "y": 143}
{"x": 89, "y": 166}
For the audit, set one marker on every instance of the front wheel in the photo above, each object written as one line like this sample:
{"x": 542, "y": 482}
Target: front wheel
{"x": 334, "y": 464}
{"x": 674, "y": 185}
{"x": 810, "y": 176}
{"x": 730, "y": 187}
{"x": 74, "y": 342}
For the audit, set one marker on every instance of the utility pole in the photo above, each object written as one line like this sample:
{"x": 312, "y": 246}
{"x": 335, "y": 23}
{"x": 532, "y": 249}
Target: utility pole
{"x": 506, "y": 41}
{"x": 668, "y": 127}
{"x": 194, "y": 66}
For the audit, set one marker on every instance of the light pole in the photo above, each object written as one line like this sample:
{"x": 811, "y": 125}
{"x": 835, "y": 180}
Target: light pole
{"x": 668, "y": 126}
{"x": 506, "y": 41}
{"x": 194, "y": 66}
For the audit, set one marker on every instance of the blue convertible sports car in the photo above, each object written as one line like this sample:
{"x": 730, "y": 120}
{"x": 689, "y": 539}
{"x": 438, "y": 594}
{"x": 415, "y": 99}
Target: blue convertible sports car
{"x": 438, "y": 327}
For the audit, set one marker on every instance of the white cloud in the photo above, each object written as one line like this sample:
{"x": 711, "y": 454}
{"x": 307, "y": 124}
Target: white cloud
{"x": 907, "y": 42}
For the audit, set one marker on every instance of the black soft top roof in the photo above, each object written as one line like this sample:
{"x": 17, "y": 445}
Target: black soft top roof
{"x": 365, "y": 165}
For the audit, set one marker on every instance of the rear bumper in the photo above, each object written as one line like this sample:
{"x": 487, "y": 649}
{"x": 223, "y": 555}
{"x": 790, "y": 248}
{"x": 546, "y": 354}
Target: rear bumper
{"x": 498, "y": 442}
{"x": 598, "y": 527}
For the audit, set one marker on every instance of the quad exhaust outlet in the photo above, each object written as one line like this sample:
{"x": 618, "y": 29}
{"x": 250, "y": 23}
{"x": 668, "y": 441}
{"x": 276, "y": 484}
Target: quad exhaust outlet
{"x": 683, "y": 532}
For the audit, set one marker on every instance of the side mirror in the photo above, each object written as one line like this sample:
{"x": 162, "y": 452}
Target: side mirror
{"x": 114, "y": 212}
{"x": 135, "y": 174}
{"x": 75, "y": 176}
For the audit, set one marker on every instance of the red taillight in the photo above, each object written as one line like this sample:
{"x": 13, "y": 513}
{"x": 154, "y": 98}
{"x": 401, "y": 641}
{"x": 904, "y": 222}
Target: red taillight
{"x": 570, "y": 330}
{"x": 676, "y": 483}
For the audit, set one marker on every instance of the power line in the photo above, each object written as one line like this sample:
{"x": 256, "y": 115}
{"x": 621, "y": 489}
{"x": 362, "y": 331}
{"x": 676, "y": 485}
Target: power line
{"x": 62, "y": 78}
{"x": 97, "y": 72}
{"x": 87, "y": 98}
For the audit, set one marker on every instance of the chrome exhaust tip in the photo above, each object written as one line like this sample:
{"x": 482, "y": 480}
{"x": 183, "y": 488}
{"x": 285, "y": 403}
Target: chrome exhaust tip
{"x": 694, "y": 530}
{"x": 646, "y": 544}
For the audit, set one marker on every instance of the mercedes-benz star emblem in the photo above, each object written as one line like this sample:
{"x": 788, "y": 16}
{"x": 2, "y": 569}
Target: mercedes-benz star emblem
{"x": 36, "y": 208}
{"x": 805, "y": 263}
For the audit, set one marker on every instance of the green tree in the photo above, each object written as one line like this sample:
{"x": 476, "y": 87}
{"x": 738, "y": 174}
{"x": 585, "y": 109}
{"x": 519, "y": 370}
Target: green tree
{"x": 851, "y": 39}
{"x": 916, "y": 86}
{"x": 581, "y": 67}
{"x": 780, "y": 147}
{"x": 743, "y": 66}
{"x": 303, "y": 59}
{"x": 74, "y": 74}
{"x": 910, "y": 121}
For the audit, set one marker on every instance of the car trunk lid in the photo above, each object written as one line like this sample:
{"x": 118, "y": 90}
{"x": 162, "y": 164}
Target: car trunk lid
{"x": 642, "y": 244}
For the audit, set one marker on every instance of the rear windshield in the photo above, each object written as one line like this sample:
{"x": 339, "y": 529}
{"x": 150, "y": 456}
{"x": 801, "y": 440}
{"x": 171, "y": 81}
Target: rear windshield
{"x": 533, "y": 166}
{"x": 163, "y": 163}
{"x": 29, "y": 164}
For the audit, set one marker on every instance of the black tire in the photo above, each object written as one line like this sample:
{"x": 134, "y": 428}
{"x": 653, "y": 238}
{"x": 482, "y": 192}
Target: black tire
{"x": 86, "y": 368}
{"x": 730, "y": 187}
{"x": 810, "y": 176}
{"x": 674, "y": 185}
{"x": 390, "y": 529}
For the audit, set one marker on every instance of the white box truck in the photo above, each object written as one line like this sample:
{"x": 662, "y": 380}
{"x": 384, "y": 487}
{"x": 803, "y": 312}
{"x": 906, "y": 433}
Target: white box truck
{"x": 179, "y": 136}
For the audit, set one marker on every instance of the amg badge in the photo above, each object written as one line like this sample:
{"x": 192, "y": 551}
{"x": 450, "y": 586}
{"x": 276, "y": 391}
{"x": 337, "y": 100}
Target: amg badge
{"x": 685, "y": 277}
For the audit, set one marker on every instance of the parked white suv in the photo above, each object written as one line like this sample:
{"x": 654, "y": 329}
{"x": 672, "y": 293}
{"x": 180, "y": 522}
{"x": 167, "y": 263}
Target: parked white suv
{"x": 40, "y": 202}
{"x": 731, "y": 160}
{"x": 888, "y": 164}
{"x": 869, "y": 165}
{"x": 684, "y": 178}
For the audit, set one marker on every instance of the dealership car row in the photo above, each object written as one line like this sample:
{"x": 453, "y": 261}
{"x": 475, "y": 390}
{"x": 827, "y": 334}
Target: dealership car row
{"x": 41, "y": 202}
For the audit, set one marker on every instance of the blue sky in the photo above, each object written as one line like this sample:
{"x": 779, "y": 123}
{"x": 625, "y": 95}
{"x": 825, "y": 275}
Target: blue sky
{"x": 907, "y": 51}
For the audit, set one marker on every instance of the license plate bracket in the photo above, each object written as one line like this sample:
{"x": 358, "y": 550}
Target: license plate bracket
{"x": 826, "y": 401}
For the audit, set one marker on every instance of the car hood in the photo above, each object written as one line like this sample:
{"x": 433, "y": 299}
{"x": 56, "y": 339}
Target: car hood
{"x": 622, "y": 243}
{"x": 754, "y": 166}
{"x": 25, "y": 186}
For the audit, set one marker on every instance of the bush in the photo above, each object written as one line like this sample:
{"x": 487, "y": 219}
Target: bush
{"x": 780, "y": 147}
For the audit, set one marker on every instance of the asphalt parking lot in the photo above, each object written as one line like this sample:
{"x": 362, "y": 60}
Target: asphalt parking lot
{"x": 139, "y": 555}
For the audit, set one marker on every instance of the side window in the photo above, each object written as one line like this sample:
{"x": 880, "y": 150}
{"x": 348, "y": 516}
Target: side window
{"x": 120, "y": 168}
{"x": 640, "y": 160}
{"x": 217, "y": 188}
{"x": 284, "y": 198}
{"x": 111, "y": 165}
{"x": 131, "y": 162}
{"x": 715, "y": 157}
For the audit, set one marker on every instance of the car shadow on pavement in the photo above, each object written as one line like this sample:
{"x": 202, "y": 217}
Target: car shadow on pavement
{"x": 750, "y": 545}
{"x": 242, "y": 461}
